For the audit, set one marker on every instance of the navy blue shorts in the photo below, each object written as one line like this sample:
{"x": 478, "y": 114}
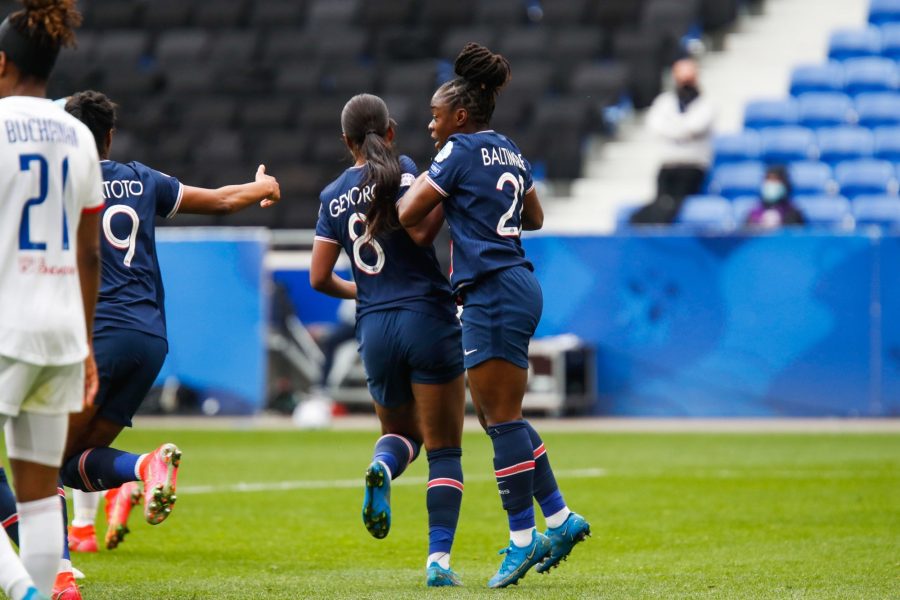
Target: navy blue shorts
{"x": 128, "y": 362}
{"x": 500, "y": 314}
{"x": 399, "y": 347}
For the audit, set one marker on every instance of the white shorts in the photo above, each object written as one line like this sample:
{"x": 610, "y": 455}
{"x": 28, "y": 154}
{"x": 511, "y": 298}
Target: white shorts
{"x": 42, "y": 390}
{"x": 36, "y": 438}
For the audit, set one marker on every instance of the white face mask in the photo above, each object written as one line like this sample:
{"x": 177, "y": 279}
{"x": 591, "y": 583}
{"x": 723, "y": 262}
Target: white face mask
{"x": 773, "y": 191}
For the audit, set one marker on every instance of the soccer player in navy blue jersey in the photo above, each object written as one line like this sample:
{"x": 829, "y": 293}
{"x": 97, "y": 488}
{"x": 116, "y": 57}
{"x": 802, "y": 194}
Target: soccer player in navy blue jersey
{"x": 485, "y": 187}
{"x": 130, "y": 332}
{"x": 408, "y": 332}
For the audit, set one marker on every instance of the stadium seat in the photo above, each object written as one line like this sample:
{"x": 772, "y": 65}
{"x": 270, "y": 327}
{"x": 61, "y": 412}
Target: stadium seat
{"x": 524, "y": 43}
{"x": 339, "y": 12}
{"x": 575, "y": 44}
{"x": 281, "y": 148}
{"x": 233, "y": 48}
{"x": 845, "y": 143}
{"x": 123, "y": 49}
{"x": 219, "y": 146}
{"x": 668, "y": 19}
{"x": 737, "y": 179}
{"x": 602, "y": 83}
{"x": 167, "y": 15}
{"x": 810, "y": 178}
{"x": 343, "y": 79}
{"x": 854, "y": 43}
{"x": 736, "y": 147}
{"x": 884, "y": 11}
{"x": 870, "y": 75}
{"x": 825, "y": 211}
{"x": 454, "y": 41}
{"x": 439, "y": 15}
{"x": 415, "y": 79}
{"x": 611, "y": 15}
{"x": 500, "y": 14}
{"x": 568, "y": 13}
{"x": 866, "y": 176}
{"x": 188, "y": 79}
{"x": 208, "y": 113}
{"x": 786, "y": 144}
{"x": 376, "y": 14}
{"x": 741, "y": 208}
{"x": 877, "y": 210}
{"x": 759, "y": 114}
{"x": 180, "y": 47}
{"x": 102, "y": 15}
{"x": 285, "y": 45}
{"x": 277, "y": 14}
{"x": 301, "y": 76}
{"x": 828, "y": 77}
{"x": 642, "y": 54}
{"x": 274, "y": 112}
{"x": 329, "y": 43}
{"x": 707, "y": 212}
{"x": 890, "y": 41}
{"x": 221, "y": 14}
{"x": 563, "y": 113}
{"x": 878, "y": 108}
{"x": 887, "y": 143}
{"x": 825, "y": 109}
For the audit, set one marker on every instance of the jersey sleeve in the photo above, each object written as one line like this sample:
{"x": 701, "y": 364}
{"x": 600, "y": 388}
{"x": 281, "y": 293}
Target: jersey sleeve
{"x": 408, "y": 174}
{"x": 448, "y": 167}
{"x": 168, "y": 192}
{"x": 325, "y": 227}
{"x": 527, "y": 176}
{"x": 93, "y": 195}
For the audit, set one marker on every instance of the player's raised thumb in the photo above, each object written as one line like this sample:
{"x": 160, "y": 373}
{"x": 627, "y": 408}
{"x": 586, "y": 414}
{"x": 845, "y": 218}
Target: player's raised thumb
{"x": 261, "y": 170}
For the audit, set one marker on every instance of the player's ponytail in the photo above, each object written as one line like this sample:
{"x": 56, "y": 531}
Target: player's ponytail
{"x": 98, "y": 112}
{"x": 365, "y": 121}
{"x": 480, "y": 74}
{"x": 32, "y": 37}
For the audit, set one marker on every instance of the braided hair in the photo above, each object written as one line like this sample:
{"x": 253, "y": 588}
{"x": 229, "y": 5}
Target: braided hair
{"x": 98, "y": 112}
{"x": 365, "y": 121}
{"x": 479, "y": 76}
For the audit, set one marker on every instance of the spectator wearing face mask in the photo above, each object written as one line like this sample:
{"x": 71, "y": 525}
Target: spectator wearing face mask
{"x": 682, "y": 119}
{"x": 775, "y": 208}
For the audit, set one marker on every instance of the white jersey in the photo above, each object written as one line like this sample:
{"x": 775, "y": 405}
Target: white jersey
{"x": 49, "y": 174}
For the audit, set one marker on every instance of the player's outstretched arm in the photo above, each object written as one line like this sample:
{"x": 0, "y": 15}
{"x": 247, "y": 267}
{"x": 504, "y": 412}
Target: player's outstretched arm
{"x": 88, "y": 258}
{"x": 231, "y": 198}
{"x": 532, "y": 212}
{"x": 321, "y": 272}
{"x": 418, "y": 202}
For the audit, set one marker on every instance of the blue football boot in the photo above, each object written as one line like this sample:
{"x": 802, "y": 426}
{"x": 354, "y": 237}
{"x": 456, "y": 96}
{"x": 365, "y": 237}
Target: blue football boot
{"x": 519, "y": 560}
{"x": 562, "y": 539}
{"x": 438, "y": 576}
{"x": 376, "y": 512}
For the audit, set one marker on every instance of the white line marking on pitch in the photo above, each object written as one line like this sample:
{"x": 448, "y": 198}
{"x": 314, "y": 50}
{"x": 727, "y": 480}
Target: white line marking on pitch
{"x": 276, "y": 486}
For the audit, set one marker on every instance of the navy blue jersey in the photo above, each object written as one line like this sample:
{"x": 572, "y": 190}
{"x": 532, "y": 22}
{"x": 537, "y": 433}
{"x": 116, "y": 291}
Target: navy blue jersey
{"x": 484, "y": 179}
{"x": 391, "y": 271}
{"x": 131, "y": 290}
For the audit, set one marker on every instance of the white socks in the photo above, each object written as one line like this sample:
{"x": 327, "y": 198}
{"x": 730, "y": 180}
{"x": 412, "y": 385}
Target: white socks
{"x": 41, "y": 540}
{"x": 14, "y": 579}
{"x": 137, "y": 466}
{"x": 521, "y": 538}
{"x": 558, "y": 518}
{"x": 386, "y": 468}
{"x": 441, "y": 558}
{"x": 85, "y": 504}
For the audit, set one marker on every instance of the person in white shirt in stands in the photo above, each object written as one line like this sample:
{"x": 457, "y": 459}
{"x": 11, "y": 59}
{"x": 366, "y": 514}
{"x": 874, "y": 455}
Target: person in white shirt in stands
{"x": 683, "y": 121}
{"x": 51, "y": 195}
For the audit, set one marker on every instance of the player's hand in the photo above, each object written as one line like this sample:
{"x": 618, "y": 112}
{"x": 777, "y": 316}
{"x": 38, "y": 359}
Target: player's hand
{"x": 91, "y": 380}
{"x": 262, "y": 177}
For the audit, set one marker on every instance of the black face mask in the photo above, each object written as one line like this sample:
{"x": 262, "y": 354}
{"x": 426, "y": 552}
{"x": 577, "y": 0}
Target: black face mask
{"x": 687, "y": 93}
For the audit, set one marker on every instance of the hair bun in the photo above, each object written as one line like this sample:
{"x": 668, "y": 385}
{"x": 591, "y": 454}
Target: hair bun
{"x": 56, "y": 19}
{"x": 479, "y": 65}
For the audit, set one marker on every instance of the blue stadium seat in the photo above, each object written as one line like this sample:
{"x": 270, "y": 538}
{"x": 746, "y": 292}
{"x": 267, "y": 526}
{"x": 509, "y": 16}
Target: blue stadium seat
{"x": 877, "y": 210}
{"x": 736, "y": 147}
{"x": 825, "y": 211}
{"x": 770, "y": 113}
{"x": 845, "y": 143}
{"x": 787, "y": 144}
{"x": 623, "y": 216}
{"x": 737, "y": 179}
{"x": 866, "y": 176}
{"x": 824, "y": 109}
{"x": 878, "y": 108}
{"x": 873, "y": 74}
{"x": 890, "y": 41}
{"x": 887, "y": 143}
{"x": 810, "y": 178}
{"x": 884, "y": 11}
{"x": 741, "y": 208}
{"x": 707, "y": 212}
{"x": 828, "y": 77}
{"x": 854, "y": 43}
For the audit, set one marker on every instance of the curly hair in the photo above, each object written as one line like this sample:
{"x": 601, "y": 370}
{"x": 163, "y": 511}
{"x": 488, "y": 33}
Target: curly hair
{"x": 50, "y": 23}
{"x": 95, "y": 110}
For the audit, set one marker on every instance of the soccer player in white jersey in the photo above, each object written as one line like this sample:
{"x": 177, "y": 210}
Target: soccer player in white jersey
{"x": 50, "y": 202}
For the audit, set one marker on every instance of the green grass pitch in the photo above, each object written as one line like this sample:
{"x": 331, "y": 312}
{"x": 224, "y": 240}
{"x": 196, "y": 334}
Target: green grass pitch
{"x": 673, "y": 516}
